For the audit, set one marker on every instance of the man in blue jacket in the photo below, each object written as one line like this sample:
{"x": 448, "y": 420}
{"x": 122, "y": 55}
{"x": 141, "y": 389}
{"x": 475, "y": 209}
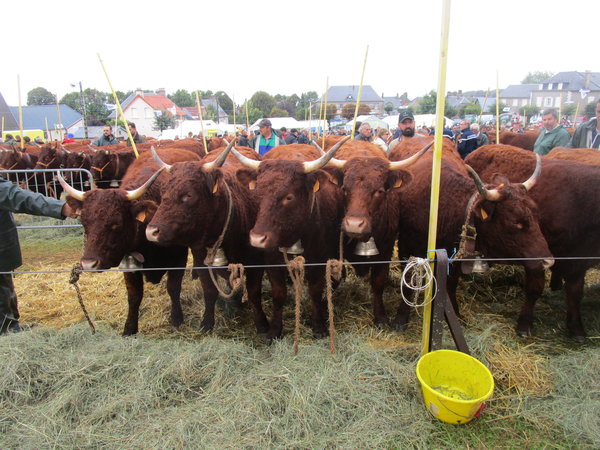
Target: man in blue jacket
{"x": 467, "y": 140}
{"x": 15, "y": 199}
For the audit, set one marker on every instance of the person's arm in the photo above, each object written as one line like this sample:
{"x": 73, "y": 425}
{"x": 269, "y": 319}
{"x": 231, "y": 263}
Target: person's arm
{"x": 15, "y": 199}
{"x": 563, "y": 139}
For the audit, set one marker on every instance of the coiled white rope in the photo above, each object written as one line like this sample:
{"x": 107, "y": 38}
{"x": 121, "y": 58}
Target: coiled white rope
{"x": 421, "y": 277}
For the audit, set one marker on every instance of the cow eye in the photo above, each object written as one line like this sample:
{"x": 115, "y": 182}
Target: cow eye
{"x": 289, "y": 197}
{"x": 185, "y": 197}
{"x": 114, "y": 227}
{"x": 520, "y": 225}
{"x": 379, "y": 192}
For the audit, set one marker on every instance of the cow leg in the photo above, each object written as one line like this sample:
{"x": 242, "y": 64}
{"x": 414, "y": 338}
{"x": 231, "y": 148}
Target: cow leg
{"x": 318, "y": 309}
{"x": 379, "y": 275}
{"x": 210, "y": 300}
{"x": 174, "y": 279}
{"x": 574, "y": 291}
{"x": 253, "y": 285}
{"x": 134, "y": 281}
{"x": 556, "y": 281}
{"x": 277, "y": 278}
{"x": 534, "y": 286}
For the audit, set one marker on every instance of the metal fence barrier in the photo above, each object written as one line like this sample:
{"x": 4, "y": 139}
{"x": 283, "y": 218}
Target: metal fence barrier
{"x": 44, "y": 181}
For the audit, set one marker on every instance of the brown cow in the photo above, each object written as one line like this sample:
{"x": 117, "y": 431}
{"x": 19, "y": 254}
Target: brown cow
{"x": 194, "y": 212}
{"x": 297, "y": 202}
{"x": 567, "y": 197}
{"x": 114, "y": 221}
{"x": 110, "y": 163}
{"x": 503, "y": 215}
{"x": 521, "y": 140}
{"x": 582, "y": 155}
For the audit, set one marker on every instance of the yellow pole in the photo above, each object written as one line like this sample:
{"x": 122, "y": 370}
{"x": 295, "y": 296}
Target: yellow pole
{"x": 325, "y": 112}
{"x": 47, "y": 130}
{"x": 20, "y": 112}
{"x": 309, "y": 121}
{"x": 574, "y": 118}
{"x": 247, "y": 122}
{"x": 437, "y": 165}
{"x": 483, "y": 107}
{"x": 199, "y": 106}
{"x": 60, "y": 126}
{"x": 359, "y": 92}
{"x": 121, "y": 114}
{"x": 497, "y": 110}
{"x": 320, "y": 112}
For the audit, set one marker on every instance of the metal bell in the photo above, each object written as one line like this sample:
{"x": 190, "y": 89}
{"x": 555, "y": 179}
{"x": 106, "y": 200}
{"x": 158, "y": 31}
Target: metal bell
{"x": 220, "y": 259}
{"x": 366, "y": 248}
{"x": 130, "y": 264}
{"x": 480, "y": 266}
{"x": 295, "y": 249}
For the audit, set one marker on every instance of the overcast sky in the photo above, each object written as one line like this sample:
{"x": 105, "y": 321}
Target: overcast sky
{"x": 289, "y": 47}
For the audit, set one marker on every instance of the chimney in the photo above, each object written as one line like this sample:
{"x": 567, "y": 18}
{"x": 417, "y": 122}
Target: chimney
{"x": 138, "y": 91}
{"x": 161, "y": 91}
{"x": 586, "y": 79}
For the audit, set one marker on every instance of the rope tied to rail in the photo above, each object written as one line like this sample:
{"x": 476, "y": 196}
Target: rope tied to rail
{"x": 75, "y": 273}
{"x": 421, "y": 277}
{"x": 296, "y": 270}
{"x": 333, "y": 271}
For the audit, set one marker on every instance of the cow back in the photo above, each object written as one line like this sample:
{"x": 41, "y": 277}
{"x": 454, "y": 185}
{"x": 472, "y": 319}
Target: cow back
{"x": 589, "y": 156}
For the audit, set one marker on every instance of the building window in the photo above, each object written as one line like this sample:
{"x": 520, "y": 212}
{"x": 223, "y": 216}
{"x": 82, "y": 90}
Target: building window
{"x": 549, "y": 86}
{"x": 538, "y": 101}
{"x": 548, "y": 101}
{"x": 523, "y": 102}
{"x": 516, "y": 102}
{"x": 134, "y": 113}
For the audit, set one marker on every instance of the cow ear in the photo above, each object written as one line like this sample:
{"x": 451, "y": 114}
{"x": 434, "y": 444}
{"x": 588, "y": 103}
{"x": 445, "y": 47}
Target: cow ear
{"x": 76, "y": 205}
{"x": 398, "y": 179}
{"x": 213, "y": 181}
{"x": 335, "y": 175}
{"x": 143, "y": 211}
{"x": 247, "y": 178}
{"x": 484, "y": 210}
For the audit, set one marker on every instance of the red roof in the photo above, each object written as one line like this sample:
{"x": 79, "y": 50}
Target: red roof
{"x": 161, "y": 102}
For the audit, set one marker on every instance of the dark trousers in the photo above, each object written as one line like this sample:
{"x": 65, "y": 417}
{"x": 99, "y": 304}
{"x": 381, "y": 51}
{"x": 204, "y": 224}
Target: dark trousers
{"x": 9, "y": 313}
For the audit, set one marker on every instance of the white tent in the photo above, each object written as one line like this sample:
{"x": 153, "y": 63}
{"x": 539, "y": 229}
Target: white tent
{"x": 374, "y": 121}
{"x": 210, "y": 129}
{"x": 421, "y": 120}
{"x": 278, "y": 122}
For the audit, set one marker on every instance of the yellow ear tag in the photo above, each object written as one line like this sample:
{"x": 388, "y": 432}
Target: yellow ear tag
{"x": 316, "y": 186}
{"x": 484, "y": 214}
{"x": 252, "y": 185}
{"x": 500, "y": 186}
{"x": 215, "y": 188}
{"x": 141, "y": 216}
{"x": 398, "y": 183}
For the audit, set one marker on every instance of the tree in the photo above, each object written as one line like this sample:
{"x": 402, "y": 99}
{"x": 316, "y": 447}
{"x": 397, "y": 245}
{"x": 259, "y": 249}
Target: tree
{"x": 427, "y": 103}
{"x": 224, "y": 101}
{"x": 388, "y": 108}
{"x": 278, "y": 112}
{"x": 95, "y": 104}
{"x": 330, "y": 112}
{"x": 183, "y": 98}
{"x": 40, "y": 96}
{"x": 449, "y": 110}
{"x": 536, "y": 77}
{"x": 568, "y": 110}
{"x": 301, "y": 114}
{"x": 306, "y": 98}
{"x": 163, "y": 121}
{"x": 263, "y": 101}
{"x": 348, "y": 110}
{"x": 210, "y": 114}
{"x": 590, "y": 109}
{"x": 529, "y": 110}
{"x": 469, "y": 108}
{"x": 121, "y": 96}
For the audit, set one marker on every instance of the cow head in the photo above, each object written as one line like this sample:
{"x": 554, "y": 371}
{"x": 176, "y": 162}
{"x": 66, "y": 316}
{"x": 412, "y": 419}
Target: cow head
{"x": 506, "y": 220}
{"x": 287, "y": 191}
{"x": 51, "y": 157}
{"x": 113, "y": 221}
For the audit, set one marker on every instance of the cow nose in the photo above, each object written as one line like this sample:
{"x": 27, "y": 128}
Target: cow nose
{"x": 89, "y": 264}
{"x": 152, "y": 233}
{"x": 258, "y": 240}
{"x": 549, "y": 262}
{"x": 354, "y": 225}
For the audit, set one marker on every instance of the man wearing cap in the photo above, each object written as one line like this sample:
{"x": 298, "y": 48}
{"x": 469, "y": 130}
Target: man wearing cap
{"x": 406, "y": 128}
{"x": 267, "y": 139}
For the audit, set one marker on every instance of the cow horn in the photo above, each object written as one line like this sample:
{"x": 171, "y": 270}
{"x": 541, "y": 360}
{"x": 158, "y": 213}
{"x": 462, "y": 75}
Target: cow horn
{"x": 251, "y": 163}
{"x": 159, "y": 161}
{"x": 219, "y": 160}
{"x": 137, "y": 193}
{"x": 396, "y": 165}
{"x": 92, "y": 148}
{"x": 311, "y": 166}
{"x": 536, "y": 173}
{"x": 318, "y": 147}
{"x": 489, "y": 194}
{"x": 70, "y": 190}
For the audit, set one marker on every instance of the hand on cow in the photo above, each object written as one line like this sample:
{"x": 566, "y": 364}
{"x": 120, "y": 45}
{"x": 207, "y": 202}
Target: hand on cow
{"x": 67, "y": 211}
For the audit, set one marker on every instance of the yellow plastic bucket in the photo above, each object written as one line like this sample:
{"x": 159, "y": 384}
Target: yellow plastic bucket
{"x": 454, "y": 384}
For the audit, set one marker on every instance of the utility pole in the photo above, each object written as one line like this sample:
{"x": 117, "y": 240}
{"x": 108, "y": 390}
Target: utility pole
{"x": 85, "y": 128}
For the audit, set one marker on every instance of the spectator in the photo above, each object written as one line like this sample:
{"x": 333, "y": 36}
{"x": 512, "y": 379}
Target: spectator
{"x": 107, "y": 137}
{"x": 552, "y": 134}
{"x": 517, "y": 128}
{"x": 482, "y": 138}
{"x": 15, "y": 199}
{"x": 467, "y": 141}
{"x": 292, "y": 137}
{"x": 406, "y": 128}
{"x": 303, "y": 137}
{"x": 588, "y": 134}
{"x": 190, "y": 135}
{"x": 137, "y": 138}
{"x": 69, "y": 138}
{"x": 243, "y": 139}
{"x": 382, "y": 138}
{"x": 10, "y": 140}
{"x": 365, "y": 133}
{"x": 283, "y": 132}
{"x": 267, "y": 139}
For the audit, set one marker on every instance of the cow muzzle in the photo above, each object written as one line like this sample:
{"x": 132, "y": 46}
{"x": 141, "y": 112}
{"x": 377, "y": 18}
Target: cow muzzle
{"x": 356, "y": 227}
{"x": 152, "y": 233}
{"x": 547, "y": 263}
{"x": 259, "y": 240}
{"x": 89, "y": 264}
